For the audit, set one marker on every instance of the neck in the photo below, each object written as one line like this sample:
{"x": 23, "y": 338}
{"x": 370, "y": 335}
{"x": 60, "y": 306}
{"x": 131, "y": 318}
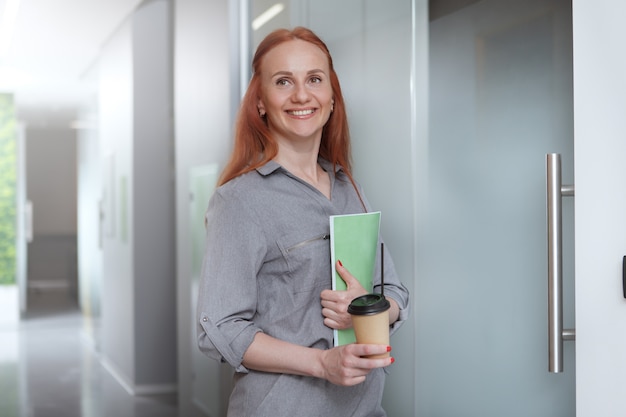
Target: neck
{"x": 299, "y": 158}
{"x": 302, "y": 165}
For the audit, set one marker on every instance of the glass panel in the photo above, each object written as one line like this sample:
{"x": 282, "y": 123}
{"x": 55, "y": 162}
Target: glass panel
{"x": 371, "y": 45}
{"x": 500, "y": 99}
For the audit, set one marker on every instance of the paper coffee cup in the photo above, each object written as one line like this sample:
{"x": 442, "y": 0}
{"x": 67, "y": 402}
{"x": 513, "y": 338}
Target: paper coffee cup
{"x": 370, "y": 319}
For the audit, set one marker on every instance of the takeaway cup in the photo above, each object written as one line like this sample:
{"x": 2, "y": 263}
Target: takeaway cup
{"x": 370, "y": 319}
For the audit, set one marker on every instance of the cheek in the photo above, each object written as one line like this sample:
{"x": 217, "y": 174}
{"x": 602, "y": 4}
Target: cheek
{"x": 274, "y": 101}
{"x": 328, "y": 97}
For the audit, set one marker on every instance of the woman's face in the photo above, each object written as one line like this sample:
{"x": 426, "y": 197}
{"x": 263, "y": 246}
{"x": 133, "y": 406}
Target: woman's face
{"x": 296, "y": 94}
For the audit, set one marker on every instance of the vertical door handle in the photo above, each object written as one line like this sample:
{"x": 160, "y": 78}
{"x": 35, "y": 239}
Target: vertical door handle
{"x": 624, "y": 276}
{"x": 556, "y": 334}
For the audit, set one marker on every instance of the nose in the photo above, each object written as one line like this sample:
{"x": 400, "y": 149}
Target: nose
{"x": 301, "y": 93}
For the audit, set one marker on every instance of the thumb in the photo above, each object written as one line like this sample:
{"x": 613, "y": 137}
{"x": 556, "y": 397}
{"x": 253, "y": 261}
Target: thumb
{"x": 347, "y": 277}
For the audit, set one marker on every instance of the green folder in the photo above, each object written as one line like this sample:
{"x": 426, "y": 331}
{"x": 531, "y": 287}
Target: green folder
{"x": 353, "y": 241}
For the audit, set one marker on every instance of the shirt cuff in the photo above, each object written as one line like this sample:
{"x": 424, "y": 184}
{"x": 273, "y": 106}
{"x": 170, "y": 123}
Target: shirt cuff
{"x": 403, "y": 313}
{"x": 229, "y": 351}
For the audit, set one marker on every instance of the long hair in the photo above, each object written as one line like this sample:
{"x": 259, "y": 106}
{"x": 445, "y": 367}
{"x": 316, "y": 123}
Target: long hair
{"x": 254, "y": 145}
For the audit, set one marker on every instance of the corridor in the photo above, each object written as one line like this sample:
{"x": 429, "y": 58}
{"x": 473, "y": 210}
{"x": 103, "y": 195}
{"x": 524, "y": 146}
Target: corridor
{"x": 50, "y": 368}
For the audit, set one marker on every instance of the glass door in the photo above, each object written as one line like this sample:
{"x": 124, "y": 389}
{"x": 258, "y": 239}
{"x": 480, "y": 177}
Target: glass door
{"x": 500, "y": 78}
{"x": 453, "y": 106}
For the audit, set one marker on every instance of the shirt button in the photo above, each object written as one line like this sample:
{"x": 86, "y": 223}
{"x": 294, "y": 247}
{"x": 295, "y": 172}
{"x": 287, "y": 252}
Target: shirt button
{"x": 205, "y": 319}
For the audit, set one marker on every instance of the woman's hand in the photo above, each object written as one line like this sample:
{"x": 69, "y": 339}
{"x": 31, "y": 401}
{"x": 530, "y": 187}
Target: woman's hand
{"x": 335, "y": 303}
{"x": 344, "y": 365}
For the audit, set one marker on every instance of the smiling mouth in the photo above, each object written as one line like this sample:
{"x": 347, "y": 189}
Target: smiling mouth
{"x": 301, "y": 112}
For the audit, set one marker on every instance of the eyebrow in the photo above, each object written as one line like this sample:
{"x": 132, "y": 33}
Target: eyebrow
{"x": 313, "y": 71}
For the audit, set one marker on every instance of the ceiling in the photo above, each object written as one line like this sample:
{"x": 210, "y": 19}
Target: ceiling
{"x": 52, "y": 47}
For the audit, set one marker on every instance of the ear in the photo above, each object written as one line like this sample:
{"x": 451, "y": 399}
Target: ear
{"x": 261, "y": 107}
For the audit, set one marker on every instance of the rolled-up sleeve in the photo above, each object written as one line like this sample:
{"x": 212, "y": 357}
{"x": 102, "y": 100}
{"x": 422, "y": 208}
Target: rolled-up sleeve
{"x": 227, "y": 293}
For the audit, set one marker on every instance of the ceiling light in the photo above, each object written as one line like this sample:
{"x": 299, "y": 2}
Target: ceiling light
{"x": 267, "y": 15}
{"x": 7, "y": 24}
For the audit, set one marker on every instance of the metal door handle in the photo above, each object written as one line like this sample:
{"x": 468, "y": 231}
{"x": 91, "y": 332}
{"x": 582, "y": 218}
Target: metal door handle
{"x": 556, "y": 333}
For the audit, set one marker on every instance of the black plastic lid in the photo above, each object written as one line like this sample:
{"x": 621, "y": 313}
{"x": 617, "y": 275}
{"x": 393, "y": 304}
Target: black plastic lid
{"x": 368, "y": 304}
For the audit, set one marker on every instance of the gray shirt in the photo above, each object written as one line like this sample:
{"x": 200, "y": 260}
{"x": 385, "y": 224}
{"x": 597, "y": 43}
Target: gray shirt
{"x": 267, "y": 261}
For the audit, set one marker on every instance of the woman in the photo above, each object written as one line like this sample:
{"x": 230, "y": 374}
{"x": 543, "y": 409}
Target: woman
{"x": 265, "y": 304}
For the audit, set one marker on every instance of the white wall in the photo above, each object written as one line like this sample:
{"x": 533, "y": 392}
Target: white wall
{"x": 116, "y": 127}
{"x": 136, "y": 146}
{"x": 153, "y": 197}
{"x": 600, "y": 141}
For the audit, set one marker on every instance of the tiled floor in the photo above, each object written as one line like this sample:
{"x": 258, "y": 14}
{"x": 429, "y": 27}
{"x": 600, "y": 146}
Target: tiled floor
{"x": 49, "y": 367}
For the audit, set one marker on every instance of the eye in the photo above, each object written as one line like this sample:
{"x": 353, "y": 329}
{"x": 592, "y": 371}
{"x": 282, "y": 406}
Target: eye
{"x": 282, "y": 82}
{"x": 315, "y": 79}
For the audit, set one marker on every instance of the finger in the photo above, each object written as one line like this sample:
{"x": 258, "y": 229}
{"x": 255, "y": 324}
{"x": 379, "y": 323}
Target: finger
{"x": 326, "y": 303}
{"x": 329, "y": 313}
{"x": 337, "y": 322}
{"x": 336, "y": 299}
{"x": 338, "y": 302}
{"x": 364, "y": 350}
{"x": 361, "y": 365}
{"x": 367, "y": 364}
{"x": 328, "y": 322}
{"x": 349, "y": 380}
{"x": 336, "y": 309}
{"x": 355, "y": 380}
{"x": 329, "y": 295}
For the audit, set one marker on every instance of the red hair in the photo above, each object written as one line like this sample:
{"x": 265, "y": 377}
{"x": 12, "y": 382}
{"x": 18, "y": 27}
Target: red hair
{"x": 254, "y": 145}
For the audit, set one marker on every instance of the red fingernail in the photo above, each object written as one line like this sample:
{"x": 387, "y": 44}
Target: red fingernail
{"x": 392, "y": 360}
{"x": 340, "y": 264}
{"x": 388, "y": 348}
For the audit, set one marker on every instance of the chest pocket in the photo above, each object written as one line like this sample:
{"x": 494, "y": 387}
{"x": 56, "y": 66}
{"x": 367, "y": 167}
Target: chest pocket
{"x": 307, "y": 256}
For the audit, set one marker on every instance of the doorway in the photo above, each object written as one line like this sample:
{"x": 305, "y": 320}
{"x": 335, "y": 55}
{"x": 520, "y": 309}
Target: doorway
{"x": 49, "y": 182}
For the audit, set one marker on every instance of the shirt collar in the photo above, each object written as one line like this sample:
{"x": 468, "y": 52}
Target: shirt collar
{"x": 268, "y": 168}
{"x": 272, "y": 166}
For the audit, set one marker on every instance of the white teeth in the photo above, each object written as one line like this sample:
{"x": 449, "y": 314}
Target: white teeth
{"x": 301, "y": 112}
